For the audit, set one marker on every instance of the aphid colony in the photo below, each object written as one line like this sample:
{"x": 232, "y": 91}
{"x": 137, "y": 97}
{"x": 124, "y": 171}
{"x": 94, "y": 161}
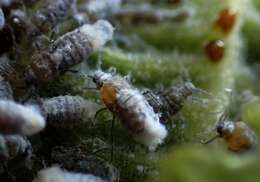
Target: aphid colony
{"x": 143, "y": 115}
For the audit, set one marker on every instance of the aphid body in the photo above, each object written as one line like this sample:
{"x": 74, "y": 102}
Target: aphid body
{"x": 130, "y": 106}
{"x": 69, "y": 50}
{"x": 64, "y": 111}
{"x": 19, "y": 119}
{"x": 169, "y": 102}
{"x": 56, "y": 174}
{"x": 12, "y": 146}
{"x": 237, "y": 135}
{"x": 52, "y": 12}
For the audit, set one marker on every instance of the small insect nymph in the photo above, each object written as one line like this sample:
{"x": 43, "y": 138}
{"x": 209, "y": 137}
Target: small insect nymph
{"x": 169, "y": 102}
{"x": 130, "y": 106}
{"x": 237, "y": 135}
{"x": 68, "y": 50}
{"x": 52, "y": 13}
{"x": 64, "y": 111}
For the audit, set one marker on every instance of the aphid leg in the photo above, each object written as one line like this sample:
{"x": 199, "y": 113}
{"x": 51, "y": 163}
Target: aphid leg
{"x": 52, "y": 34}
{"x": 210, "y": 140}
{"x": 73, "y": 71}
{"x": 100, "y": 150}
{"x": 112, "y": 138}
{"x": 98, "y": 112}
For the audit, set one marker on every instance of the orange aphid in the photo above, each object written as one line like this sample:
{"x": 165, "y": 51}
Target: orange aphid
{"x": 131, "y": 108}
{"x": 237, "y": 135}
{"x": 226, "y": 20}
{"x": 108, "y": 94}
{"x": 215, "y": 50}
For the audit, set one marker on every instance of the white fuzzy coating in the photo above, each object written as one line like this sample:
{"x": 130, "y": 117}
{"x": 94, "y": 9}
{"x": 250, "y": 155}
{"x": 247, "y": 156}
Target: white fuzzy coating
{"x": 55, "y": 174}
{"x": 154, "y": 132}
{"x": 31, "y": 119}
{"x": 101, "y": 76}
{"x": 2, "y": 19}
{"x": 99, "y": 33}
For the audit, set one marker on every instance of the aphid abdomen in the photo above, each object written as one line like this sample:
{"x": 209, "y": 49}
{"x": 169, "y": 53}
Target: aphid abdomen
{"x": 175, "y": 97}
{"x": 139, "y": 118}
{"x": 242, "y": 138}
{"x": 51, "y": 14}
{"x": 19, "y": 119}
{"x": 6, "y": 91}
{"x": 130, "y": 118}
{"x": 12, "y": 146}
{"x": 69, "y": 50}
{"x": 64, "y": 111}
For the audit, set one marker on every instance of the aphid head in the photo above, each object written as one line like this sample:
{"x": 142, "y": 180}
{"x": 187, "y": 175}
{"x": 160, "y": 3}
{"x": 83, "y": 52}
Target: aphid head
{"x": 225, "y": 128}
{"x": 99, "y": 77}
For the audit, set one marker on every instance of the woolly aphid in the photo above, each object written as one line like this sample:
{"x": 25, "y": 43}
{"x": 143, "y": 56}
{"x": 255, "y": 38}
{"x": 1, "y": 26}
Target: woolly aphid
{"x": 19, "y": 119}
{"x": 64, "y": 111}
{"x": 130, "y": 106}
{"x": 69, "y": 50}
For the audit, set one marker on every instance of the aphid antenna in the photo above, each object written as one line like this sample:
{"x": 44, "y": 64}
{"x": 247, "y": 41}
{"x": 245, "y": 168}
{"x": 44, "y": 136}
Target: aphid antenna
{"x": 214, "y": 113}
{"x": 112, "y": 138}
{"x": 184, "y": 73}
{"x": 112, "y": 70}
{"x": 99, "y": 62}
{"x": 210, "y": 140}
{"x": 199, "y": 90}
{"x": 98, "y": 112}
{"x": 80, "y": 75}
{"x": 128, "y": 77}
{"x": 95, "y": 152}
